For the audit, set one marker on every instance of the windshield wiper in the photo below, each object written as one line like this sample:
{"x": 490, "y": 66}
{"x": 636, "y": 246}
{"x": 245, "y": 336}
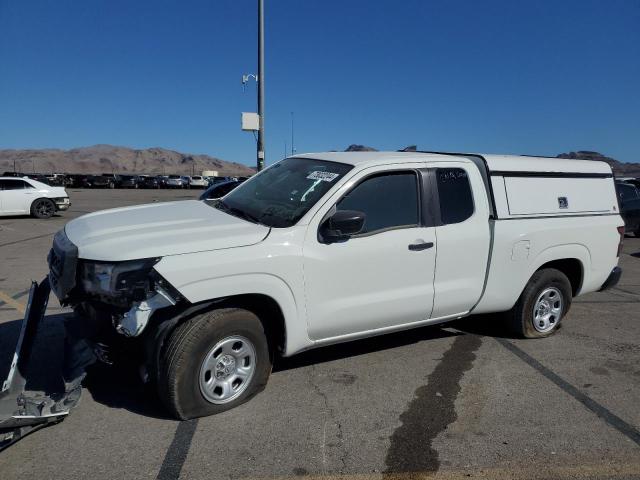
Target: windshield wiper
{"x": 237, "y": 212}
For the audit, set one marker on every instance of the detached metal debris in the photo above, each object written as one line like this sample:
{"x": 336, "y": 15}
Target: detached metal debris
{"x": 23, "y": 411}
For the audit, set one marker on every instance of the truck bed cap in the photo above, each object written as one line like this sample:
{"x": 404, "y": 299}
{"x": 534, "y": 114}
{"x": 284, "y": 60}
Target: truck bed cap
{"x": 495, "y": 163}
{"x": 515, "y": 163}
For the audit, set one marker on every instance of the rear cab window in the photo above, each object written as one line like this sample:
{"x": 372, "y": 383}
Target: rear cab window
{"x": 455, "y": 195}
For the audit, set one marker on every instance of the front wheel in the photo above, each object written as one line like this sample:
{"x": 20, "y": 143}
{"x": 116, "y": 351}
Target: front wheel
{"x": 43, "y": 208}
{"x": 214, "y": 362}
{"x": 542, "y": 305}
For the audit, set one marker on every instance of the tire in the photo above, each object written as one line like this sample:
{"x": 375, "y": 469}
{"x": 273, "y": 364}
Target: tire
{"x": 189, "y": 386}
{"x": 549, "y": 291}
{"x": 43, "y": 208}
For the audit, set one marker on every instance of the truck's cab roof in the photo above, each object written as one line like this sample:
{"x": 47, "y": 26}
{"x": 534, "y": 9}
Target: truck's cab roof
{"x": 495, "y": 163}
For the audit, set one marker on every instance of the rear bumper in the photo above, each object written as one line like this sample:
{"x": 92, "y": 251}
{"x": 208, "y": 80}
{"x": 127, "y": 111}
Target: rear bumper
{"x": 612, "y": 281}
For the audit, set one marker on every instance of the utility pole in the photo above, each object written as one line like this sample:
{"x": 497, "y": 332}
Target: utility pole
{"x": 293, "y": 147}
{"x": 261, "y": 157}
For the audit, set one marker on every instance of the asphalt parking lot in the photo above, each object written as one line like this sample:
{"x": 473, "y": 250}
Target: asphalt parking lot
{"x": 457, "y": 401}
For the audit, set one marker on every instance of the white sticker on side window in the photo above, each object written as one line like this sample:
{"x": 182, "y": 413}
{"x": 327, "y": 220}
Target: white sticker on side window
{"x": 324, "y": 176}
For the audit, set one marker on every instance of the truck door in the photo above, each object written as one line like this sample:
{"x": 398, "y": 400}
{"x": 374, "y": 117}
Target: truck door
{"x": 382, "y": 277}
{"x": 463, "y": 237}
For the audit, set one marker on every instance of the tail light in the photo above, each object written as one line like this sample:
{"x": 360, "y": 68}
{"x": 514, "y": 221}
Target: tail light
{"x": 621, "y": 233}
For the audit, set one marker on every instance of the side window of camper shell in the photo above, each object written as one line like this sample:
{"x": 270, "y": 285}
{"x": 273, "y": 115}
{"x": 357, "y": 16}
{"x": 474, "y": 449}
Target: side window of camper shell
{"x": 454, "y": 192}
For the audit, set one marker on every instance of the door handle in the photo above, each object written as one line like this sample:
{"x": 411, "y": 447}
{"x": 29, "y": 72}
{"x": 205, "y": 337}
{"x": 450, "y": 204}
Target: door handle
{"x": 416, "y": 247}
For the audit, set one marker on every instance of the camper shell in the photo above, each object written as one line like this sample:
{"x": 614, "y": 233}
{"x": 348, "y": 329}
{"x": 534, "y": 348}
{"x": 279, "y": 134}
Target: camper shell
{"x": 530, "y": 186}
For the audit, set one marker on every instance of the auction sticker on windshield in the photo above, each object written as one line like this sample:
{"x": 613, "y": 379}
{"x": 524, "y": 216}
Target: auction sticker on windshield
{"x": 324, "y": 176}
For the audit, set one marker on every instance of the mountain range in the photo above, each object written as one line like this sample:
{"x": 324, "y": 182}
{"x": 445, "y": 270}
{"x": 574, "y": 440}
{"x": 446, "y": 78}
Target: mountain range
{"x": 113, "y": 159}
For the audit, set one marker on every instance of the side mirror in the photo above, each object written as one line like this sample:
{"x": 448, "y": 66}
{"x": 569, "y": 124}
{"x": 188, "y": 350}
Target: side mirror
{"x": 341, "y": 225}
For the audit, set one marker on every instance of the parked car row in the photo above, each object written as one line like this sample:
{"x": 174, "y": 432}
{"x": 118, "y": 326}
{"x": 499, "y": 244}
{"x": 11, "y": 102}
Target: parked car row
{"x": 27, "y": 196}
{"x": 112, "y": 180}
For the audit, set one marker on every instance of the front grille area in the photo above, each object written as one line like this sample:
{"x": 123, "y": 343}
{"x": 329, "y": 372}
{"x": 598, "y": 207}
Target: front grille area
{"x": 63, "y": 260}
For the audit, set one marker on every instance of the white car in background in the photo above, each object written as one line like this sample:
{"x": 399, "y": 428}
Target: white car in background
{"x": 24, "y": 196}
{"x": 175, "y": 181}
{"x": 198, "y": 181}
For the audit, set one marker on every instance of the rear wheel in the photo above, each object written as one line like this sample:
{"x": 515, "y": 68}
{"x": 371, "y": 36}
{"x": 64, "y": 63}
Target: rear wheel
{"x": 214, "y": 362}
{"x": 43, "y": 208}
{"x": 542, "y": 305}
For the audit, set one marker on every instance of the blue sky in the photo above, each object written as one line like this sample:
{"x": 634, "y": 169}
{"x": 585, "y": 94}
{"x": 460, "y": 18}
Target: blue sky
{"x": 539, "y": 77}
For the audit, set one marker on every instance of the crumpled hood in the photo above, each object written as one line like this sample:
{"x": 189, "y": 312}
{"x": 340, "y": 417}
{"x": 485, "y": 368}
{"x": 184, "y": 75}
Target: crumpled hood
{"x": 159, "y": 229}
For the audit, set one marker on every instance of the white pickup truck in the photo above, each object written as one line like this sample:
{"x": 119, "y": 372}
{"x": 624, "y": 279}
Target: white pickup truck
{"x": 330, "y": 247}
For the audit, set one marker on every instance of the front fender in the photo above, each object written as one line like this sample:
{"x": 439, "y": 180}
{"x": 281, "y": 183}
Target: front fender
{"x": 269, "y": 285}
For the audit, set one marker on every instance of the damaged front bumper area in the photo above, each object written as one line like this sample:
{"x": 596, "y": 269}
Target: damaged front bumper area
{"x": 113, "y": 304}
{"x": 23, "y": 411}
{"x": 128, "y": 292}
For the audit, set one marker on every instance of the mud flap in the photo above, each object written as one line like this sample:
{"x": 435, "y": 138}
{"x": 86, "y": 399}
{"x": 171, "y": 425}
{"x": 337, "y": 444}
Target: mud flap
{"x": 21, "y": 411}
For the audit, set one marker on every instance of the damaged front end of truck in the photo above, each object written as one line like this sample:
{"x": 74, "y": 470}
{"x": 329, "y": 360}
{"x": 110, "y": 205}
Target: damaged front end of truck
{"x": 112, "y": 302}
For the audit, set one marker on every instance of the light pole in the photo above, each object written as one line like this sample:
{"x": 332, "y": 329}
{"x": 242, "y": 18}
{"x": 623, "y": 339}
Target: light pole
{"x": 261, "y": 157}
{"x": 293, "y": 145}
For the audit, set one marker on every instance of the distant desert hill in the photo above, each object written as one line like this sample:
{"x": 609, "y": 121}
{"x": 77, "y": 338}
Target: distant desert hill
{"x": 359, "y": 148}
{"x": 113, "y": 159}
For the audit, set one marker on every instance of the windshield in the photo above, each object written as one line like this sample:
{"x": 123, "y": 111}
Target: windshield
{"x": 283, "y": 193}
